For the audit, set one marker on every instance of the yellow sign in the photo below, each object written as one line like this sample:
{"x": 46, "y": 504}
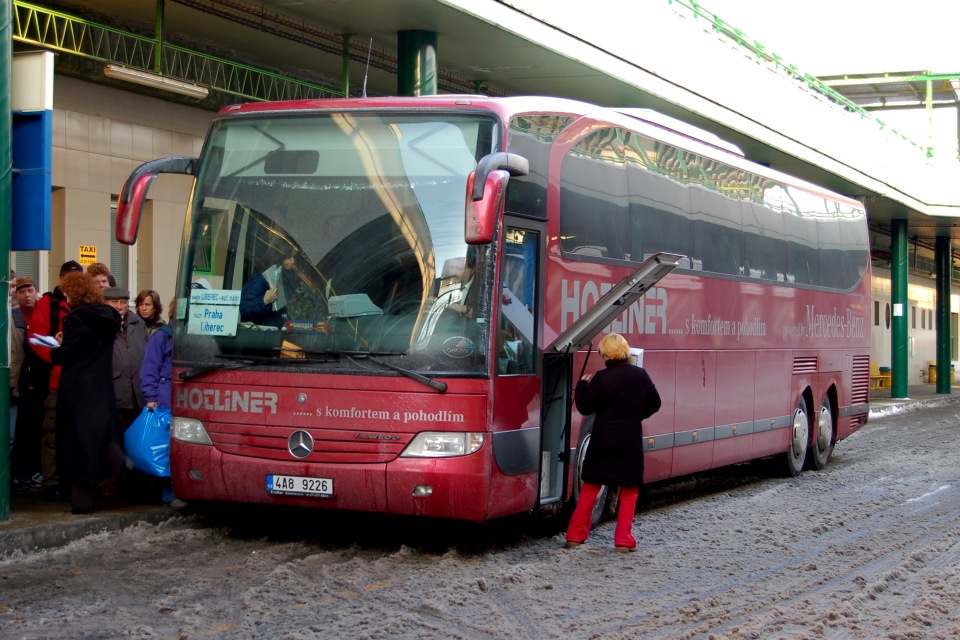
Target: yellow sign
{"x": 88, "y": 254}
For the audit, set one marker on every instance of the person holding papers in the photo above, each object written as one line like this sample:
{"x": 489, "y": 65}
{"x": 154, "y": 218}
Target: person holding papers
{"x": 47, "y": 322}
{"x": 264, "y": 298}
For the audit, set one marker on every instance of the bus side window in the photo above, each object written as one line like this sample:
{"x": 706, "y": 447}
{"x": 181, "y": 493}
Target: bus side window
{"x": 717, "y": 234}
{"x": 659, "y": 218}
{"x": 594, "y": 203}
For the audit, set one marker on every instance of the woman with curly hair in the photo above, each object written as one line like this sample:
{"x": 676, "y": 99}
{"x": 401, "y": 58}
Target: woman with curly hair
{"x": 89, "y": 443}
{"x": 150, "y": 310}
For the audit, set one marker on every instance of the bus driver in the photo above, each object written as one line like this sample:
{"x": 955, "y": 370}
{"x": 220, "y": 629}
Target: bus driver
{"x": 264, "y": 297}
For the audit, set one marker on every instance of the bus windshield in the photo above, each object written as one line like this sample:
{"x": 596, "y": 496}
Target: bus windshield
{"x": 314, "y": 237}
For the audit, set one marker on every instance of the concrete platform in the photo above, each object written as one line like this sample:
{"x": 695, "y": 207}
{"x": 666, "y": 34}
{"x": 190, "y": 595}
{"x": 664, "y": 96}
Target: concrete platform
{"x": 881, "y": 402}
{"x": 36, "y": 523}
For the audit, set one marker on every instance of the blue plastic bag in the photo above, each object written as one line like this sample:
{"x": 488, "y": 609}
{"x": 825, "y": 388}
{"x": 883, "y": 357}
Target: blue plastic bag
{"x": 147, "y": 442}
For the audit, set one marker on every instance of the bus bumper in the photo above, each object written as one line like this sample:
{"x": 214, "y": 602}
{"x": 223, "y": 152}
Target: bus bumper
{"x": 436, "y": 487}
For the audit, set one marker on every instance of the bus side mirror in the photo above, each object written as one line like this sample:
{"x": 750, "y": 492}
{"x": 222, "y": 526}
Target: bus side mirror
{"x": 128, "y": 210}
{"x": 134, "y": 193}
{"x": 486, "y": 187}
{"x": 482, "y": 214}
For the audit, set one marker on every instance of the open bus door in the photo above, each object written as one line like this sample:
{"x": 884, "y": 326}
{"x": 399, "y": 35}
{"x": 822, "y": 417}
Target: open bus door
{"x": 558, "y": 377}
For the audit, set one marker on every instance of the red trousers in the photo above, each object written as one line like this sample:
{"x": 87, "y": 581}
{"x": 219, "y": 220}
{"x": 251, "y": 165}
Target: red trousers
{"x": 579, "y": 528}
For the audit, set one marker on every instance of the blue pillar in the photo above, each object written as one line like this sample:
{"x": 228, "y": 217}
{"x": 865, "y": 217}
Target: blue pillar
{"x": 899, "y": 274}
{"x": 944, "y": 259}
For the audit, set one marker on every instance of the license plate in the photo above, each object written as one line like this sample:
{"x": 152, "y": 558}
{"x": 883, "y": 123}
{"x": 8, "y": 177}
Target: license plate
{"x": 300, "y": 486}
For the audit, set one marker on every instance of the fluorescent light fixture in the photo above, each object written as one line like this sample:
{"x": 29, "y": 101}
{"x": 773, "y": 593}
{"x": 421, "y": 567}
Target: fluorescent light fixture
{"x": 138, "y": 76}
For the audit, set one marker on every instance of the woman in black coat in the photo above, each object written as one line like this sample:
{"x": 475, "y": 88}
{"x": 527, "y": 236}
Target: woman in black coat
{"x": 622, "y": 396}
{"x": 89, "y": 443}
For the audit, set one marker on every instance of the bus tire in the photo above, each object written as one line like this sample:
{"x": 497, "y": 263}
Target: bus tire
{"x": 796, "y": 455}
{"x": 600, "y": 506}
{"x": 822, "y": 444}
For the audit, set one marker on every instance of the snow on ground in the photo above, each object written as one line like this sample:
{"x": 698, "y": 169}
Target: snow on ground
{"x": 868, "y": 548}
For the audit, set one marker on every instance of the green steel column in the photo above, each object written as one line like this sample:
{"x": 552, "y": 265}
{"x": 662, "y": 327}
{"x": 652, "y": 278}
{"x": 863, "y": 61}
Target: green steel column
{"x": 417, "y": 63}
{"x": 158, "y": 52}
{"x": 345, "y": 81}
{"x": 6, "y": 203}
{"x": 898, "y": 338}
{"x": 929, "y": 107}
{"x": 944, "y": 254}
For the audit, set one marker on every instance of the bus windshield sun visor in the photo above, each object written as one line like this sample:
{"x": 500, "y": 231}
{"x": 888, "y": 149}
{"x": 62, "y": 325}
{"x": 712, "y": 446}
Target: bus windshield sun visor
{"x": 614, "y": 302}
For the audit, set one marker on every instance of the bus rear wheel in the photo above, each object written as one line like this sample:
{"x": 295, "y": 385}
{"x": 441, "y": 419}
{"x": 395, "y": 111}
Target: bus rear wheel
{"x": 822, "y": 445}
{"x": 600, "y": 506}
{"x": 799, "y": 438}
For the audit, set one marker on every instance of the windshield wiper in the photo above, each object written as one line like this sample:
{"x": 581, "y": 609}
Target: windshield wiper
{"x": 413, "y": 375}
{"x": 214, "y": 366}
{"x": 241, "y": 362}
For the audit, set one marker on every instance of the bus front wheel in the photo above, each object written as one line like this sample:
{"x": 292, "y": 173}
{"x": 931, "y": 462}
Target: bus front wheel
{"x": 799, "y": 438}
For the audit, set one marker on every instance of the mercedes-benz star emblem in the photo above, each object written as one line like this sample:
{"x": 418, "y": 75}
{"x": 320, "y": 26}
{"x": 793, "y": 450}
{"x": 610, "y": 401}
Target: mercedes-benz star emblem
{"x": 300, "y": 444}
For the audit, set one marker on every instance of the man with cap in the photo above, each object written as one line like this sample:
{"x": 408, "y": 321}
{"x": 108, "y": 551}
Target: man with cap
{"x": 24, "y": 300}
{"x": 47, "y": 321}
{"x": 128, "y": 349}
{"x": 24, "y": 295}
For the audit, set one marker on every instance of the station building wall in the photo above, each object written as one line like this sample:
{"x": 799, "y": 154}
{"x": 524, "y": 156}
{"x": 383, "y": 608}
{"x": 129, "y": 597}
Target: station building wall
{"x": 921, "y": 323}
{"x": 100, "y": 135}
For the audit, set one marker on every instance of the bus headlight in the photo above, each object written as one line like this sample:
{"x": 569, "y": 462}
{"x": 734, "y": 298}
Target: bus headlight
{"x": 443, "y": 444}
{"x": 189, "y": 430}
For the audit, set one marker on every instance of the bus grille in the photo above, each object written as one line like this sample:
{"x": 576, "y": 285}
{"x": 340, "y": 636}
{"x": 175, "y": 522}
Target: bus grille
{"x": 804, "y": 365}
{"x": 860, "y": 382}
{"x": 330, "y": 446}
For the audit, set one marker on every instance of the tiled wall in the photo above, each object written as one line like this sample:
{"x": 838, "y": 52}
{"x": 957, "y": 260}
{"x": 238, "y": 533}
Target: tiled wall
{"x": 100, "y": 135}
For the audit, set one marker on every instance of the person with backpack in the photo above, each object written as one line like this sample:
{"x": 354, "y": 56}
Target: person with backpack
{"x": 47, "y": 322}
{"x": 150, "y": 310}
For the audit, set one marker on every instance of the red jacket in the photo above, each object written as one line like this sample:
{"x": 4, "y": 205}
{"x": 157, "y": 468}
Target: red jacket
{"x": 39, "y": 325}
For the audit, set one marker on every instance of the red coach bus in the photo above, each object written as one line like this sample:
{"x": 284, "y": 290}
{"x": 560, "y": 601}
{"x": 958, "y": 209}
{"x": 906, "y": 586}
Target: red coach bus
{"x": 384, "y": 304}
